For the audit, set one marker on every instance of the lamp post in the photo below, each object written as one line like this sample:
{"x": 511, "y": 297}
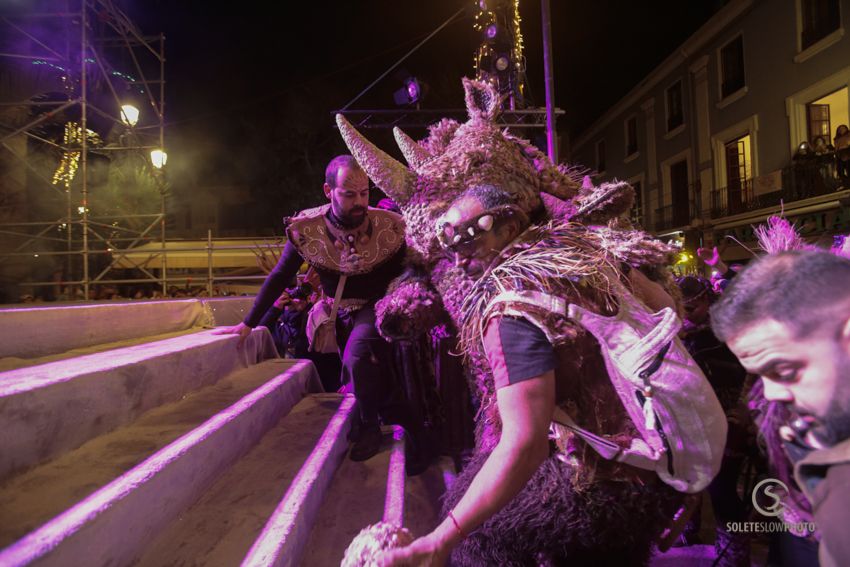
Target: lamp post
{"x": 158, "y": 159}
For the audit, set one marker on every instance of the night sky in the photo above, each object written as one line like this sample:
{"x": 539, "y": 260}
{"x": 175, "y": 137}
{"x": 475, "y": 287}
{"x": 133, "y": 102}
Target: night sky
{"x": 251, "y": 85}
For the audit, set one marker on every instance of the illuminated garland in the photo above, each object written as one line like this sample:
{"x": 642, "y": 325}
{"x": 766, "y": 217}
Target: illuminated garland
{"x": 70, "y": 161}
{"x": 518, "y": 45}
{"x": 485, "y": 17}
{"x": 129, "y": 78}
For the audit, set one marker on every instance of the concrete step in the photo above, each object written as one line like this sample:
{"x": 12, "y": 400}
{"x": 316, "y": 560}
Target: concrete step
{"x": 285, "y": 533}
{"x": 33, "y": 497}
{"x": 41, "y": 331}
{"x": 375, "y": 490}
{"x": 115, "y": 523}
{"x": 12, "y": 363}
{"x": 225, "y": 522}
{"x": 52, "y": 408}
{"x": 362, "y": 493}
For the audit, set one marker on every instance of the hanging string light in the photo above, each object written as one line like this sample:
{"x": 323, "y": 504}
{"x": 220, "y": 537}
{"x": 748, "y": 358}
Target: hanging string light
{"x": 519, "y": 59}
{"x": 70, "y": 161}
{"x": 499, "y": 58}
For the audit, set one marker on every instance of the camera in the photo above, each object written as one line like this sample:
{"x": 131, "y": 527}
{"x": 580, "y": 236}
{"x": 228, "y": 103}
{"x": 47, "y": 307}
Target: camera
{"x": 302, "y": 291}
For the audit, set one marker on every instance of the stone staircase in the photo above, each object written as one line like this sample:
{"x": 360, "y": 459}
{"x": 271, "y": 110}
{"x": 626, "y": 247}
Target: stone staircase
{"x": 130, "y": 434}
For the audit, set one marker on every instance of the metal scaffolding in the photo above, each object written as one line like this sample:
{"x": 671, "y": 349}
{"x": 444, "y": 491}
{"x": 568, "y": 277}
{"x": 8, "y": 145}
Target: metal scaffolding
{"x": 529, "y": 118}
{"x": 67, "y": 68}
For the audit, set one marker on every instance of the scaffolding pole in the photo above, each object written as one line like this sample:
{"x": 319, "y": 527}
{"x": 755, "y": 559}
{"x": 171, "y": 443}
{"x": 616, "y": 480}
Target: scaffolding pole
{"x": 89, "y": 38}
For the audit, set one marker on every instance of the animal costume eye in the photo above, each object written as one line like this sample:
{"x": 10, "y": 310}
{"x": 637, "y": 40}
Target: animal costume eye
{"x": 467, "y": 231}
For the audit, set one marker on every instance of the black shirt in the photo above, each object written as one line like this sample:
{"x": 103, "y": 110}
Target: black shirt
{"x": 371, "y": 286}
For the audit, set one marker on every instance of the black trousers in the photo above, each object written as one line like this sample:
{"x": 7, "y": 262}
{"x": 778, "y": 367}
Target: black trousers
{"x": 367, "y": 363}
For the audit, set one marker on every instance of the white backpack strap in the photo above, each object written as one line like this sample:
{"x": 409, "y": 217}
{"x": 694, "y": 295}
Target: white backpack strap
{"x": 549, "y": 302}
{"x": 337, "y": 296}
{"x": 638, "y": 454}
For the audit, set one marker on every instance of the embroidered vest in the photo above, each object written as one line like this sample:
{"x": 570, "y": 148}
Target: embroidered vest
{"x": 346, "y": 251}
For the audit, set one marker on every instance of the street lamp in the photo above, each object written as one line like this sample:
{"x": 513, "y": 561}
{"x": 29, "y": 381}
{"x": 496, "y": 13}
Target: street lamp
{"x": 158, "y": 158}
{"x": 129, "y": 115}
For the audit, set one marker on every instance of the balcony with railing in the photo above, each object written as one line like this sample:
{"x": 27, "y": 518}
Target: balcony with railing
{"x": 670, "y": 216}
{"x": 811, "y": 178}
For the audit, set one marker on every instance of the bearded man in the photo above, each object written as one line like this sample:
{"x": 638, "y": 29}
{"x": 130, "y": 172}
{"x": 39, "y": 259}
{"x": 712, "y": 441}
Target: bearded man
{"x": 356, "y": 251}
{"x": 787, "y": 319}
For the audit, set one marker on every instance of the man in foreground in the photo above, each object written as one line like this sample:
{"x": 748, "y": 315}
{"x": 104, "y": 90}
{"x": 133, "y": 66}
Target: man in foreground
{"x": 787, "y": 319}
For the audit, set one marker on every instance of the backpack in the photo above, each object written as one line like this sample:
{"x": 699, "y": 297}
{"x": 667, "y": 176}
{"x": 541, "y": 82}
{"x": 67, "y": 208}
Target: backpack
{"x": 681, "y": 426}
{"x": 321, "y": 333}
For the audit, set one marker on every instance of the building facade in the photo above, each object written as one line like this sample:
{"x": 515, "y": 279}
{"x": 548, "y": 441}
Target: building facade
{"x": 711, "y": 138}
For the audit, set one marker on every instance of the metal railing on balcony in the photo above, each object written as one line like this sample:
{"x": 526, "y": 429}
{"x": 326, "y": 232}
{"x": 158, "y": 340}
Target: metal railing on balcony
{"x": 733, "y": 199}
{"x": 802, "y": 180}
{"x": 671, "y": 216}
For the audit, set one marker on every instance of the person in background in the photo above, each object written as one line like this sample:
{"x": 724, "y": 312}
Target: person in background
{"x": 787, "y": 319}
{"x": 842, "y": 153}
{"x": 286, "y": 320}
{"x": 727, "y": 378}
{"x": 721, "y": 273}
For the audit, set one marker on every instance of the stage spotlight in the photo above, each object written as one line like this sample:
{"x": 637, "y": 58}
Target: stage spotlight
{"x": 410, "y": 93}
{"x": 502, "y": 62}
{"x": 129, "y": 115}
{"x": 491, "y": 31}
{"x": 158, "y": 158}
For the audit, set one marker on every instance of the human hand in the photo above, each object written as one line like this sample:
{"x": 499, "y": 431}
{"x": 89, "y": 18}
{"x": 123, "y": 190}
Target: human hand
{"x": 423, "y": 552}
{"x": 312, "y": 278}
{"x": 710, "y": 256}
{"x": 241, "y": 329}
{"x": 283, "y": 300}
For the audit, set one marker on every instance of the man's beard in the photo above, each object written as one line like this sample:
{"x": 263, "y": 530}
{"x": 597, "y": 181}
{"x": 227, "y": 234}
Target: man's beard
{"x": 356, "y": 213}
{"x": 836, "y": 423}
{"x": 834, "y": 426}
{"x": 352, "y": 218}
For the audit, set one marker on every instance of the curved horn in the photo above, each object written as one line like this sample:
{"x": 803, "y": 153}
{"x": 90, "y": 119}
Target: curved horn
{"x": 413, "y": 152}
{"x": 391, "y": 176}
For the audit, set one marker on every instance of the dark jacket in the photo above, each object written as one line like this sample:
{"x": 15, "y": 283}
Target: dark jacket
{"x": 824, "y": 476}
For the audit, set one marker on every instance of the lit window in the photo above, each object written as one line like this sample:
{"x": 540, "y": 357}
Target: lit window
{"x": 825, "y": 114}
{"x": 739, "y": 173}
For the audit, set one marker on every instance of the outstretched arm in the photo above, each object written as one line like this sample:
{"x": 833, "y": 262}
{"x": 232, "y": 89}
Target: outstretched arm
{"x": 522, "y": 362}
{"x": 526, "y": 410}
{"x": 711, "y": 256}
{"x": 286, "y": 268}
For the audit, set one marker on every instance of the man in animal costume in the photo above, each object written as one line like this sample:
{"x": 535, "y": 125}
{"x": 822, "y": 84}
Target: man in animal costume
{"x": 502, "y": 240}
